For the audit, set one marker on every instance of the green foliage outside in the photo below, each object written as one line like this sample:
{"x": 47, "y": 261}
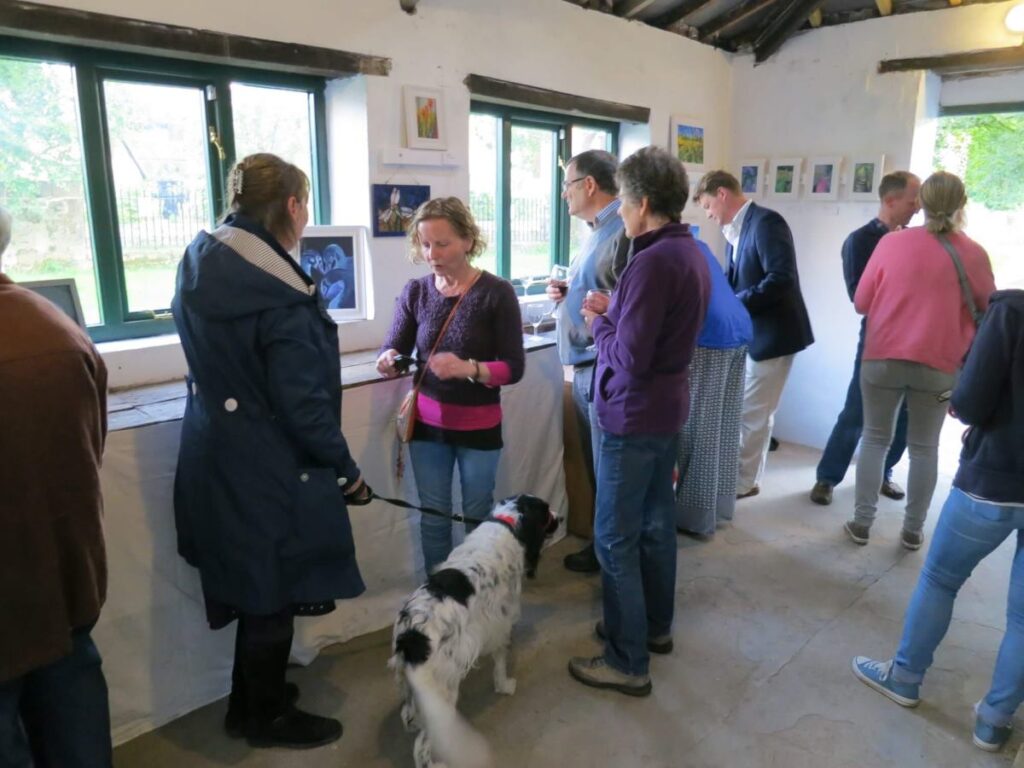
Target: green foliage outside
{"x": 987, "y": 151}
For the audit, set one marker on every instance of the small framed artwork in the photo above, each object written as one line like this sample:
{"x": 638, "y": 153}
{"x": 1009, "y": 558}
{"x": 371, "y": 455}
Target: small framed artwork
{"x": 784, "y": 181}
{"x": 333, "y": 258}
{"x": 752, "y": 177}
{"x": 687, "y": 141}
{"x": 424, "y": 118}
{"x": 394, "y": 206}
{"x": 824, "y": 172}
{"x": 865, "y": 174}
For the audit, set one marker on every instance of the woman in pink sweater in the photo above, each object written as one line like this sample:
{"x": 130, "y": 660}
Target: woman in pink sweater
{"x": 919, "y": 327}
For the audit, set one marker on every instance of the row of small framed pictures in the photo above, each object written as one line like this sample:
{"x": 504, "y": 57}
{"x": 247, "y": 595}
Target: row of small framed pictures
{"x": 783, "y": 178}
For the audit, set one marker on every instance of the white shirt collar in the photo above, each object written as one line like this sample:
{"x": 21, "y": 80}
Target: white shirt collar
{"x": 731, "y": 231}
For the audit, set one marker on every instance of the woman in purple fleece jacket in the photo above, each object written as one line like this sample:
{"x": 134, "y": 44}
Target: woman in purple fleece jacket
{"x": 645, "y": 338}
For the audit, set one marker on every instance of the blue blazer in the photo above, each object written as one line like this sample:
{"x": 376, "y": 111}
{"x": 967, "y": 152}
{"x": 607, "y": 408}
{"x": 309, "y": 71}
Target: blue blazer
{"x": 764, "y": 276}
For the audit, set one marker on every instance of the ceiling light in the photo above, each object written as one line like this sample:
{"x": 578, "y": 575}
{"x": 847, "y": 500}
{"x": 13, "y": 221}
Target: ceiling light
{"x": 1015, "y": 18}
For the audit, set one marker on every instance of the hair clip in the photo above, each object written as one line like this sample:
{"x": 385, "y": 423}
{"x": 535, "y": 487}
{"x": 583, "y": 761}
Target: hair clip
{"x": 236, "y": 178}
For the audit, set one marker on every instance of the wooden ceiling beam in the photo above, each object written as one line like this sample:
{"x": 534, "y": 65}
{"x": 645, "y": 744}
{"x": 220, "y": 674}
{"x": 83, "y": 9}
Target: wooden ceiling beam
{"x": 667, "y": 19}
{"x": 782, "y": 27}
{"x": 713, "y": 28}
{"x": 627, "y": 9}
{"x": 992, "y": 59}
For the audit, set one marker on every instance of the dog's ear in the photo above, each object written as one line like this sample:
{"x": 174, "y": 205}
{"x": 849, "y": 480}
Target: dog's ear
{"x": 535, "y": 519}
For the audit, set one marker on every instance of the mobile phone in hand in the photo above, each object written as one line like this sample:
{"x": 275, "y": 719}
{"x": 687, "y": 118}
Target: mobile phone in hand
{"x": 402, "y": 363}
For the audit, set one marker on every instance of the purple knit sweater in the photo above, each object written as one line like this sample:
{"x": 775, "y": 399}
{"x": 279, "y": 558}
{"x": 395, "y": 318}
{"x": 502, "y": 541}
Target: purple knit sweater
{"x": 487, "y": 326}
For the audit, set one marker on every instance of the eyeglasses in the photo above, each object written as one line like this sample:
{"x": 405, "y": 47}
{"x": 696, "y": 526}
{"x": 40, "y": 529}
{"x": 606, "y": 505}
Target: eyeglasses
{"x": 569, "y": 182}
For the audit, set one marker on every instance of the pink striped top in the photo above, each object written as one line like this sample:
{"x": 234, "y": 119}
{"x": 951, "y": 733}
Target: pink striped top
{"x": 465, "y": 418}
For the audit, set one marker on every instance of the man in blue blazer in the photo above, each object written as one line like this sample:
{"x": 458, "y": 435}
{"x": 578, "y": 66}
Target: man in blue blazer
{"x": 762, "y": 271}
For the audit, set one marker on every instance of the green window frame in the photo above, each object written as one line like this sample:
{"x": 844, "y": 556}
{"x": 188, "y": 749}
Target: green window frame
{"x": 92, "y": 67}
{"x": 561, "y": 125}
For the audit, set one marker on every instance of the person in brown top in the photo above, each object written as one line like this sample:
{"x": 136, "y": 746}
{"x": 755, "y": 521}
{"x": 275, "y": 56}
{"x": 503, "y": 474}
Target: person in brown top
{"x": 53, "y": 577}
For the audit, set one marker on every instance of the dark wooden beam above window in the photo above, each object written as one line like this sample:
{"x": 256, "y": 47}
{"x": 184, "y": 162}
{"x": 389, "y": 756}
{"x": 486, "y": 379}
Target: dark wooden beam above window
{"x": 991, "y": 60}
{"x": 66, "y": 25}
{"x": 515, "y": 93}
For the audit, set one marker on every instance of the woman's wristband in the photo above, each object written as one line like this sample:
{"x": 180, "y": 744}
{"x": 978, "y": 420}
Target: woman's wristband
{"x": 475, "y": 378}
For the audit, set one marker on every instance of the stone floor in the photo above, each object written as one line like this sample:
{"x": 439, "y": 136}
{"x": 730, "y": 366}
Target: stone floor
{"x": 768, "y": 616}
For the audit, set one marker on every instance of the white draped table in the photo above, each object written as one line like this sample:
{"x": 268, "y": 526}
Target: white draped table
{"x": 160, "y": 658}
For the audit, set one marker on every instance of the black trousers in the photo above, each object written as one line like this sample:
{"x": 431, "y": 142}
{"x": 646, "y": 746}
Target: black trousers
{"x": 262, "y": 645}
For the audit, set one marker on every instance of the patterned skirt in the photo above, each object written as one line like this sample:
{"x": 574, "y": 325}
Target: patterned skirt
{"x": 709, "y": 442}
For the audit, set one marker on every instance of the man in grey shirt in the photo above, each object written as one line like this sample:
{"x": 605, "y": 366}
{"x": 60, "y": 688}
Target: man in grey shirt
{"x": 592, "y": 195}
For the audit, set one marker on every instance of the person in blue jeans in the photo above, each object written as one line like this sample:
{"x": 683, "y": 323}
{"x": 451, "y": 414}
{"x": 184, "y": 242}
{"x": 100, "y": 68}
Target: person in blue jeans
{"x": 899, "y": 202}
{"x": 645, "y": 335}
{"x": 985, "y": 506}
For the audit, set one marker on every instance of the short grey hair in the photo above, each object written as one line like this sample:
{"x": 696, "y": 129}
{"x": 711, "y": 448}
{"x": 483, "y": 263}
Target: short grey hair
{"x": 656, "y": 174}
{"x": 600, "y": 165}
{"x": 5, "y": 230}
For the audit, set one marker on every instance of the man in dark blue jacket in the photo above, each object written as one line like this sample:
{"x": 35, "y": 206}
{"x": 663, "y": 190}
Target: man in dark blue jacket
{"x": 762, "y": 271}
{"x": 899, "y": 202}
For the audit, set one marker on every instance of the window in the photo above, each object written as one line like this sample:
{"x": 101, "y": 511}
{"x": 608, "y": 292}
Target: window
{"x": 516, "y": 160}
{"x": 111, "y": 163}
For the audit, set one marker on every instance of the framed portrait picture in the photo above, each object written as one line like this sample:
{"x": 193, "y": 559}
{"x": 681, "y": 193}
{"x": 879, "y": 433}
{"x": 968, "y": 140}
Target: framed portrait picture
{"x": 424, "y": 118}
{"x": 824, "y": 181}
{"x": 687, "y": 141}
{"x": 394, "y": 206}
{"x": 865, "y": 174}
{"x": 333, "y": 258}
{"x": 752, "y": 177}
{"x": 784, "y": 180}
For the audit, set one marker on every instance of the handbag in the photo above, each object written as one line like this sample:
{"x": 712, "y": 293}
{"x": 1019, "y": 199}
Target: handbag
{"x": 965, "y": 286}
{"x": 405, "y": 419}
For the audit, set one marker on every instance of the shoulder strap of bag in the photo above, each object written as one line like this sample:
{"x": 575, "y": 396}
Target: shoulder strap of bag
{"x": 444, "y": 329}
{"x": 965, "y": 286}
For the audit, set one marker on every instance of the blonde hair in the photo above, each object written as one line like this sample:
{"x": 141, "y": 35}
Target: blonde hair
{"x": 259, "y": 186}
{"x": 943, "y": 198}
{"x": 455, "y": 212}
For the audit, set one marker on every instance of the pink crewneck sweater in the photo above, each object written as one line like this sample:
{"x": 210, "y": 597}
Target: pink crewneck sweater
{"x": 912, "y": 298}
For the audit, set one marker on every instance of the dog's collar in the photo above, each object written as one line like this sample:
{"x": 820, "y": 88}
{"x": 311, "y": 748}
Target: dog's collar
{"x": 506, "y": 520}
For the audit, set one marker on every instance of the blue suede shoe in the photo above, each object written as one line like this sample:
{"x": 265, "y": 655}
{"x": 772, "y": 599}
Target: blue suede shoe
{"x": 991, "y": 738}
{"x": 878, "y": 675}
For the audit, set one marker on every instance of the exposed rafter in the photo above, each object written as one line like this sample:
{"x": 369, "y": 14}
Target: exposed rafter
{"x": 667, "y": 19}
{"x": 627, "y": 9}
{"x": 991, "y": 60}
{"x": 711, "y": 30}
{"x": 782, "y": 26}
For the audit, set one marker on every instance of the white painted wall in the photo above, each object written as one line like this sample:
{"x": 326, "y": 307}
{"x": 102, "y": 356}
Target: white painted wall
{"x": 546, "y": 43}
{"x": 822, "y": 95}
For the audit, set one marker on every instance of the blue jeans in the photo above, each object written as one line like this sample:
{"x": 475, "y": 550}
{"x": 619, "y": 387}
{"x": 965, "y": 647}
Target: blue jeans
{"x": 966, "y": 533}
{"x": 635, "y": 542}
{"x": 849, "y": 425}
{"x": 432, "y": 466}
{"x": 58, "y": 716}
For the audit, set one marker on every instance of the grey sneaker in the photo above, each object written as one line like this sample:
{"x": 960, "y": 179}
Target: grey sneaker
{"x": 821, "y": 493}
{"x": 596, "y": 673}
{"x": 911, "y": 540}
{"x": 858, "y": 533}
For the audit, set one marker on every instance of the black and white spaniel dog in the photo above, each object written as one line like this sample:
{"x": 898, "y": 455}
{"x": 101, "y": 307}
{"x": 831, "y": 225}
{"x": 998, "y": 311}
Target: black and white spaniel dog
{"x": 466, "y": 610}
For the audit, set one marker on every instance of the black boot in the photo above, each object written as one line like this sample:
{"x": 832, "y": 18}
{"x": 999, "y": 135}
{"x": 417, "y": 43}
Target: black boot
{"x": 584, "y": 561}
{"x": 271, "y": 720}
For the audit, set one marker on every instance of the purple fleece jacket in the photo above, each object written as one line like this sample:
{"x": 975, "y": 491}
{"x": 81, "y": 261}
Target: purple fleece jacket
{"x": 646, "y": 338}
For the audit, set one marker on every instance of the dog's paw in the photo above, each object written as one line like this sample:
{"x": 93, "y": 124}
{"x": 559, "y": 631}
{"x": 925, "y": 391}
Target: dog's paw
{"x": 506, "y": 686}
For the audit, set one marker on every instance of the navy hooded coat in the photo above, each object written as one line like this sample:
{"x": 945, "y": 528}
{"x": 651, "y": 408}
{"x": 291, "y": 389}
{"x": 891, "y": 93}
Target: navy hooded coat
{"x": 262, "y": 465}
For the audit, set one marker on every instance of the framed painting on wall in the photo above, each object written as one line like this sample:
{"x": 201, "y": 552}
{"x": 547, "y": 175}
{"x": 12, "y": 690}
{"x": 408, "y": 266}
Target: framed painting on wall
{"x": 687, "y": 141}
{"x": 825, "y": 178}
{"x": 865, "y": 174}
{"x": 784, "y": 181}
{"x": 394, "y": 206}
{"x": 752, "y": 177}
{"x": 424, "y": 118}
{"x": 333, "y": 258}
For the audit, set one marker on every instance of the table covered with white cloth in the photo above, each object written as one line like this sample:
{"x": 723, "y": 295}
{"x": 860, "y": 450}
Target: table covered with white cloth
{"x": 160, "y": 658}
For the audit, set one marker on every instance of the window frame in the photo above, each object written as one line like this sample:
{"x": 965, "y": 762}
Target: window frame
{"x": 92, "y": 67}
{"x": 560, "y": 123}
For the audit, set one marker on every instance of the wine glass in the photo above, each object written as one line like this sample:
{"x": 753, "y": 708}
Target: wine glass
{"x": 535, "y": 312}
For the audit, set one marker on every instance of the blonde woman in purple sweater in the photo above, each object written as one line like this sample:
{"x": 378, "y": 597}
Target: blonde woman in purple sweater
{"x": 458, "y": 414}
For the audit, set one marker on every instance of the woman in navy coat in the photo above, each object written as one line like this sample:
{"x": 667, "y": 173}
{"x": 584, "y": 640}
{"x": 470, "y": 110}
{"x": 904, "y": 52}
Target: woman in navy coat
{"x": 264, "y": 473}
